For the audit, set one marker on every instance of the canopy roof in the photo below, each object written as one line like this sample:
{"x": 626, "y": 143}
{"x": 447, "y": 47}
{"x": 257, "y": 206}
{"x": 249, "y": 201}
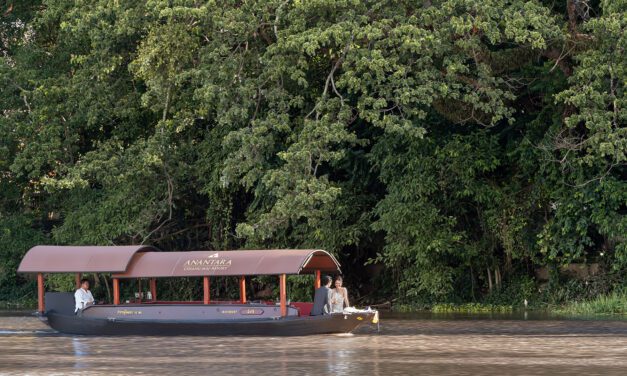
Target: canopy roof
{"x": 225, "y": 263}
{"x": 79, "y": 259}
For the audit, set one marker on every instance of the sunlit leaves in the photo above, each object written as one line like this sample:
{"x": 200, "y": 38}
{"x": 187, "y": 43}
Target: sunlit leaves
{"x": 440, "y": 137}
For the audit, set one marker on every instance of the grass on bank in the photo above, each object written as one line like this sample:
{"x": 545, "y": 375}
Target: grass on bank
{"x": 611, "y": 304}
{"x": 455, "y": 308}
{"x": 472, "y": 308}
{"x": 603, "y": 305}
{"x": 28, "y": 304}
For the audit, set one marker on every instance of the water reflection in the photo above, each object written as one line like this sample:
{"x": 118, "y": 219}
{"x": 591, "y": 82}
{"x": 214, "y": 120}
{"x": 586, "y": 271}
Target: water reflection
{"x": 339, "y": 359}
{"x": 404, "y": 346}
{"x": 81, "y": 350}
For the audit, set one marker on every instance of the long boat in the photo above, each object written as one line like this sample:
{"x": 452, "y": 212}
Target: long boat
{"x": 146, "y": 315}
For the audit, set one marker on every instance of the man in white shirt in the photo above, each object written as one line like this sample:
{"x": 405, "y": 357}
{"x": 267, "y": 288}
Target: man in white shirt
{"x": 82, "y": 296}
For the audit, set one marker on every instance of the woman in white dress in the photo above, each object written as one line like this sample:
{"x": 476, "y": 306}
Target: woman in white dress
{"x": 339, "y": 296}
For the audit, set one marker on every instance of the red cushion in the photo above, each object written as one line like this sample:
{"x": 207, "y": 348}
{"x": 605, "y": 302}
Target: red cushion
{"x": 304, "y": 309}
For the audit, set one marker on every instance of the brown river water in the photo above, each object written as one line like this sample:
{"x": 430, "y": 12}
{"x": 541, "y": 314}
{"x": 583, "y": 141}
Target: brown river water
{"x": 405, "y": 345}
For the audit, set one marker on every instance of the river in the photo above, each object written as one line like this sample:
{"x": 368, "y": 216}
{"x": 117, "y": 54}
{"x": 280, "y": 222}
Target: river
{"x": 405, "y": 345}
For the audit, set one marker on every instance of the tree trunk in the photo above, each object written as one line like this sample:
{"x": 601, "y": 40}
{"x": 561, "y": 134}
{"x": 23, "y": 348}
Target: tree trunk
{"x": 472, "y": 284}
{"x": 489, "y": 280}
{"x": 106, "y": 283}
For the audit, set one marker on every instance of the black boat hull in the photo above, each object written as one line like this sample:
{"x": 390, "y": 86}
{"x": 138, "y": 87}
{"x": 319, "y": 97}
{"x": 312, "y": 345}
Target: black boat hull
{"x": 288, "y": 326}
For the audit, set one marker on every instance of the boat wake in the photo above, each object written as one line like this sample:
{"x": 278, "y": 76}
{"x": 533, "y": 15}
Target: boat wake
{"x": 10, "y": 332}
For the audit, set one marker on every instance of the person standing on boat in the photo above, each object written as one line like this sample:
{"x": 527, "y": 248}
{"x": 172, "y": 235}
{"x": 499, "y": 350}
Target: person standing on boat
{"x": 83, "y": 296}
{"x": 339, "y": 296}
{"x": 322, "y": 298}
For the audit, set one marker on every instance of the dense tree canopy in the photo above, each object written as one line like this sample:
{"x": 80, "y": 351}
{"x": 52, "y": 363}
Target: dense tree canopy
{"x": 457, "y": 143}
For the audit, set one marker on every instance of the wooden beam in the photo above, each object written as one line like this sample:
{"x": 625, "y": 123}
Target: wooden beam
{"x": 317, "y": 280}
{"x": 78, "y": 278}
{"x": 153, "y": 289}
{"x": 40, "y": 292}
{"x": 206, "y": 290}
{"x": 242, "y": 289}
{"x": 116, "y": 291}
{"x": 283, "y": 294}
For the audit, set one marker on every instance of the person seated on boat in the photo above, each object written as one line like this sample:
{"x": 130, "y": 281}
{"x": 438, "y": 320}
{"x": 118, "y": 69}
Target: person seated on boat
{"x": 83, "y": 296}
{"x": 339, "y": 296}
{"x": 322, "y": 298}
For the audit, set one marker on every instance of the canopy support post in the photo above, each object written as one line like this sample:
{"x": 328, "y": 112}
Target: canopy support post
{"x": 242, "y": 289}
{"x": 283, "y": 294}
{"x": 40, "y": 292}
{"x": 78, "y": 278}
{"x": 317, "y": 280}
{"x": 206, "y": 290}
{"x": 116, "y": 291}
{"x": 153, "y": 289}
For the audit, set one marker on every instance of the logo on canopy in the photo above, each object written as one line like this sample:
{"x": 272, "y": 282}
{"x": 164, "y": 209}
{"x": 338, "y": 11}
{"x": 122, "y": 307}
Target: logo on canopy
{"x": 211, "y": 262}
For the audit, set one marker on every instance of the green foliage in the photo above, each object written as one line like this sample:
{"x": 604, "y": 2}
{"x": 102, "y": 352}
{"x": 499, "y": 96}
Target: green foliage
{"x": 515, "y": 292}
{"x": 471, "y": 308}
{"x": 299, "y": 289}
{"x": 612, "y": 304}
{"x": 17, "y": 234}
{"x": 458, "y": 143}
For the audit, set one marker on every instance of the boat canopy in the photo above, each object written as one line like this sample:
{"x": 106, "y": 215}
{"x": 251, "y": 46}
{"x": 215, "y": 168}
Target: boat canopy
{"x": 142, "y": 261}
{"x": 80, "y": 259}
{"x": 230, "y": 263}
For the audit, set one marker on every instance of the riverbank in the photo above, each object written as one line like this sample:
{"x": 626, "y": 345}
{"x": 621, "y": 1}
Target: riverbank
{"x": 610, "y": 304}
{"x": 16, "y": 306}
{"x": 613, "y": 304}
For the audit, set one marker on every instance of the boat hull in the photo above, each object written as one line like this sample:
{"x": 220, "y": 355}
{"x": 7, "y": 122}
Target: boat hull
{"x": 287, "y": 326}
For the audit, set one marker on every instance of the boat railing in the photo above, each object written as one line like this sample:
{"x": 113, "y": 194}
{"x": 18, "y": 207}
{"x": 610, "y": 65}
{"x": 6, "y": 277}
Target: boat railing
{"x": 304, "y": 308}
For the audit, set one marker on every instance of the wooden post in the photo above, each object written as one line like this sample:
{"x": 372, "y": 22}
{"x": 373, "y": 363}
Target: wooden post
{"x": 153, "y": 289}
{"x": 206, "y": 290}
{"x": 116, "y": 291}
{"x": 242, "y": 289}
{"x": 317, "y": 280}
{"x": 78, "y": 278}
{"x": 40, "y": 292}
{"x": 283, "y": 294}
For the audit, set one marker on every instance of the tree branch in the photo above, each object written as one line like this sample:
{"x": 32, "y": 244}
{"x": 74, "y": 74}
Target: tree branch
{"x": 329, "y": 81}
